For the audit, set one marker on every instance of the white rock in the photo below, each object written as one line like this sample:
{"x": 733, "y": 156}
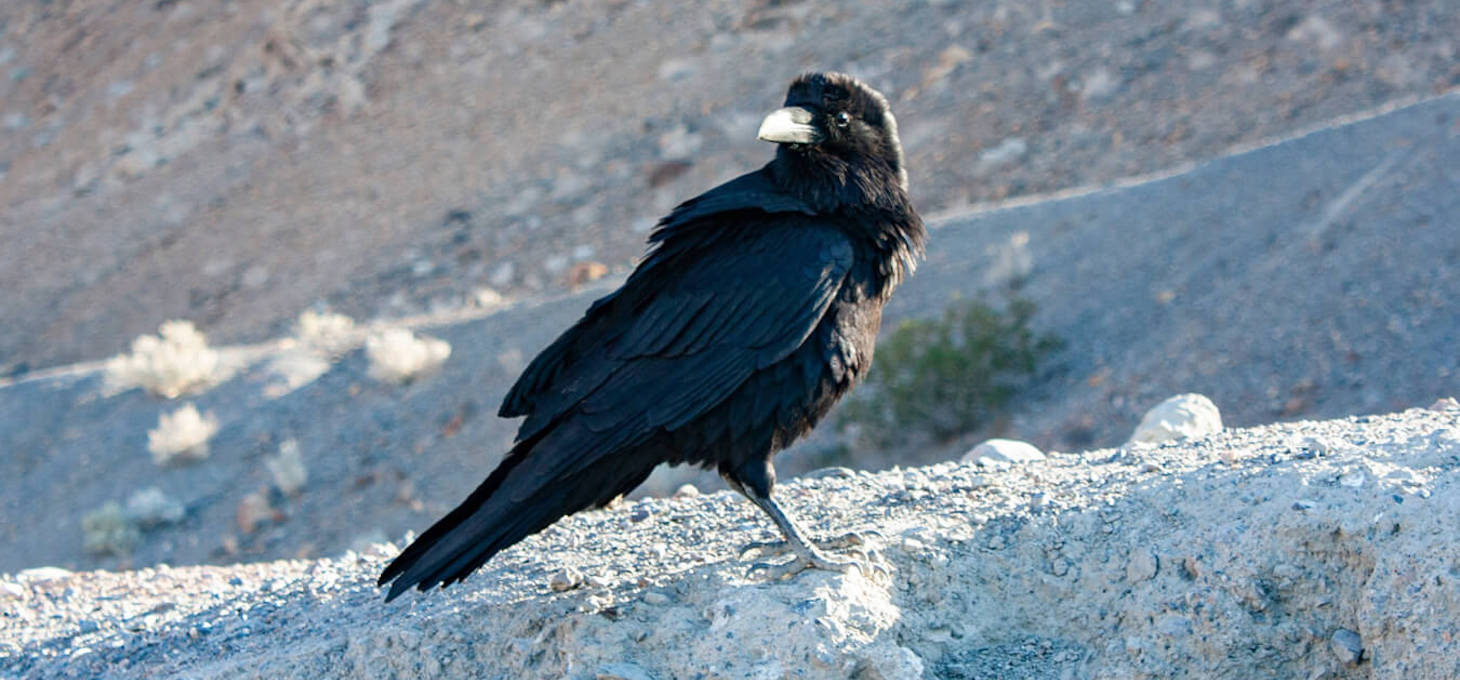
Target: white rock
{"x": 994, "y": 452}
{"x": 566, "y": 578}
{"x": 1142, "y": 565}
{"x": 1180, "y": 417}
{"x": 1445, "y": 404}
{"x": 42, "y": 574}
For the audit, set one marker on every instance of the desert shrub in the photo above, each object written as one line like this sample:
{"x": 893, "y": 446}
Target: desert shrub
{"x": 174, "y": 362}
{"x": 181, "y": 435}
{"x": 287, "y": 468}
{"x": 399, "y": 356}
{"x": 108, "y": 531}
{"x": 943, "y": 377}
{"x": 332, "y": 334}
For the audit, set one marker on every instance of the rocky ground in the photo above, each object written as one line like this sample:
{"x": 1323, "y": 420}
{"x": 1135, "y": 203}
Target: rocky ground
{"x": 1318, "y": 549}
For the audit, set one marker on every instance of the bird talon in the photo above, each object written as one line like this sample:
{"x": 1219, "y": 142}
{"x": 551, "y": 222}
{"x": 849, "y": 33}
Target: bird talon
{"x": 761, "y": 547}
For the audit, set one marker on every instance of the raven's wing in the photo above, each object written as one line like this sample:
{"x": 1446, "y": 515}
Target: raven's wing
{"x": 651, "y": 358}
{"x": 752, "y": 196}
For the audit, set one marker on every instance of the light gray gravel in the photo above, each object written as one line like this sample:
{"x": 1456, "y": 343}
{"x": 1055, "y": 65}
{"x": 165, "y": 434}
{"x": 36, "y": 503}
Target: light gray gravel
{"x": 1240, "y": 555}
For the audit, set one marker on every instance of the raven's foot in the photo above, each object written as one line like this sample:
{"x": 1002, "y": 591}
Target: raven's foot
{"x": 866, "y": 560}
{"x": 853, "y": 541}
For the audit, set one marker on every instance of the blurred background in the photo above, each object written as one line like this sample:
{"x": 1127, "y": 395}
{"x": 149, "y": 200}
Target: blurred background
{"x": 439, "y": 187}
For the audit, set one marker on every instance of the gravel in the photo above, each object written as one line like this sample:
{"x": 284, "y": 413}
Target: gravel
{"x": 1201, "y": 568}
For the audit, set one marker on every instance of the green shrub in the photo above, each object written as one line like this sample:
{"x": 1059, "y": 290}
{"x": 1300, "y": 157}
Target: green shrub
{"x": 944, "y": 377}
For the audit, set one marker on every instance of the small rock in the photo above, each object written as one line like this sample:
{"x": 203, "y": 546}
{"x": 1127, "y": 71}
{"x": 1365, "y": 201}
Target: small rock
{"x": 1445, "y": 404}
{"x": 252, "y": 511}
{"x": 679, "y": 143}
{"x": 87, "y": 626}
{"x": 686, "y": 491}
{"x": 1181, "y": 416}
{"x": 621, "y": 671}
{"x": 1008, "y": 151}
{"x": 1405, "y": 477}
{"x": 1347, "y": 646}
{"x": 585, "y": 272}
{"x": 1142, "y": 565}
{"x": 1099, "y": 84}
{"x": 640, "y": 514}
{"x": 566, "y": 578}
{"x": 993, "y": 452}
{"x": 1313, "y": 447}
{"x": 1304, "y": 504}
{"x": 1352, "y": 480}
{"x": 42, "y": 574}
{"x": 503, "y": 275}
{"x": 656, "y": 598}
{"x": 487, "y": 298}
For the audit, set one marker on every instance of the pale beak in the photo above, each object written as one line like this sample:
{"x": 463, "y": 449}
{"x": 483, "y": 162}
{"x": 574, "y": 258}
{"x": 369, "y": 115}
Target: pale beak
{"x": 791, "y": 125}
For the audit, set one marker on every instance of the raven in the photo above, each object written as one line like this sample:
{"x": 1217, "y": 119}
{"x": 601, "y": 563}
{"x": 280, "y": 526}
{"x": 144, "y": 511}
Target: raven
{"x": 755, "y": 308}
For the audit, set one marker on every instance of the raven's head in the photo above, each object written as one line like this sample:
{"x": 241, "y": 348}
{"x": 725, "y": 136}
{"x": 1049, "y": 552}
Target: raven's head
{"x": 839, "y": 118}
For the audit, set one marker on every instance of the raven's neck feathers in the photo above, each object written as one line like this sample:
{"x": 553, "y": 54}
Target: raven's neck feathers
{"x": 870, "y": 194}
{"x": 870, "y": 200}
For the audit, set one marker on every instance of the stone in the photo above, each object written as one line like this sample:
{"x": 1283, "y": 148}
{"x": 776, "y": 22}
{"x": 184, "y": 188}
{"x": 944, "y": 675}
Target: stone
{"x": 993, "y": 452}
{"x": 1180, "y": 417}
{"x": 1347, "y": 646}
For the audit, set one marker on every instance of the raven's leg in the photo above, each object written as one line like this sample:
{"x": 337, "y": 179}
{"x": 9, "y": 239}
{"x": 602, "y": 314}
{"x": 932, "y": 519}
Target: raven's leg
{"x": 754, "y": 480}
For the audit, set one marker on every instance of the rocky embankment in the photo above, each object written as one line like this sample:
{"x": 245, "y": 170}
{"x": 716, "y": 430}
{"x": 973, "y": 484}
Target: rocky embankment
{"x": 1306, "y": 550}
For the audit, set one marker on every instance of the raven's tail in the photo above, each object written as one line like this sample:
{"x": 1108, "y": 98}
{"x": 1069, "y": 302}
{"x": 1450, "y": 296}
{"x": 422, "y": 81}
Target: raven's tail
{"x": 516, "y": 501}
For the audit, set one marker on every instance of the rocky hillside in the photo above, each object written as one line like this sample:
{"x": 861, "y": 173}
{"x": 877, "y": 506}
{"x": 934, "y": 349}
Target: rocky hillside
{"x": 235, "y": 162}
{"x": 1307, "y": 550}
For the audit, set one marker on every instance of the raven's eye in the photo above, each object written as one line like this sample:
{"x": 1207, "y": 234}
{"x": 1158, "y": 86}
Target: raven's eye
{"x": 842, "y": 119}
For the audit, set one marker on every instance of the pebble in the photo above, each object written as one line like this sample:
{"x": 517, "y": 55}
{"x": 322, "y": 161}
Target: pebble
{"x": 1352, "y": 480}
{"x": 1347, "y": 646}
{"x": 656, "y": 598}
{"x": 1142, "y": 565}
{"x": 621, "y": 671}
{"x": 686, "y": 491}
{"x": 1312, "y": 447}
{"x": 563, "y": 579}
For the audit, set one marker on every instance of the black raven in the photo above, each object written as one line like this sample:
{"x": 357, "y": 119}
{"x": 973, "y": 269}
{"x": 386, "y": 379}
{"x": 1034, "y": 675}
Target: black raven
{"x": 754, "y": 310}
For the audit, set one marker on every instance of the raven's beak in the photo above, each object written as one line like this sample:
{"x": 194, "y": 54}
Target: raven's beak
{"x": 791, "y": 125}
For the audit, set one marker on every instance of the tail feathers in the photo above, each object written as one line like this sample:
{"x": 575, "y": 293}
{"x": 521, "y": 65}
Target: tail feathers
{"x": 407, "y": 569}
{"x": 505, "y": 509}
